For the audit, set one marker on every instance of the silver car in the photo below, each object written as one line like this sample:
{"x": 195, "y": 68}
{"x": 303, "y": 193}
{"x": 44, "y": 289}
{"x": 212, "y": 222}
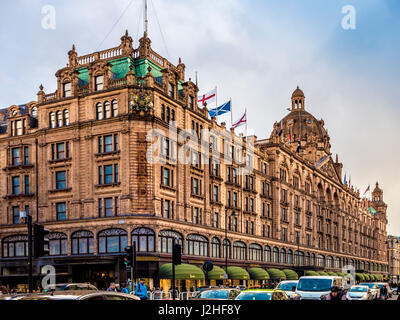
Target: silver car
{"x": 359, "y": 293}
{"x": 375, "y": 291}
{"x": 289, "y": 286}
{"x": 80, "y": 295}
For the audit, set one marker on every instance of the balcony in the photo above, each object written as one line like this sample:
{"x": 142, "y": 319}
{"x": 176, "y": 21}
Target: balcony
{"x": 18, "y": 167}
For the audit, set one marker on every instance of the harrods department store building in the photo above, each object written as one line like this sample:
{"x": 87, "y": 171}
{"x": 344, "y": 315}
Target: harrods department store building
{"x": 77, "y": 160}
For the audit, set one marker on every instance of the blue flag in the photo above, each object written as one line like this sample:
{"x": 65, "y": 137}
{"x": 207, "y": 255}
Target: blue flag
{"x": 226, "y": 107}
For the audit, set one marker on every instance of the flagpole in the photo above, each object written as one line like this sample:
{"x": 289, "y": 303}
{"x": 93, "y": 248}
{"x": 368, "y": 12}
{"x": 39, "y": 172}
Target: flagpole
{"x": 245, "y": 112}
{"x": 230, "y": 99}
{"x": 216, "y": 97}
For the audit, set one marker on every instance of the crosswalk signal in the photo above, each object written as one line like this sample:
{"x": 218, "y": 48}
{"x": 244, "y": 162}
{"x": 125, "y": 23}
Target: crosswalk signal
{"x": 128, "y": 258}
{"x": 177, "y": 254}
{"x": 40, "y": 241}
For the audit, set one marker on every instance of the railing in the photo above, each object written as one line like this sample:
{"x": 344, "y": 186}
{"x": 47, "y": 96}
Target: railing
{"x": 50, "y": 96}
{"x": 83, "y": 90}
{"x": 117, "y": 83}
{"x": 110, "y": 53}
{"x": 105, "y": 54}
{"x": 157, "y": 58}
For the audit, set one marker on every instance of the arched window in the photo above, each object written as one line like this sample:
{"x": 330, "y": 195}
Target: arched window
{"x": 226, "y": 245}
{"x": 165, "y": 238}
{"x": 57, "y": 244}
{"x": 320, "y": 260}
{"x": 255, "y": 252}
{"x": 59, "y": 119}
{"x": 283, "y": 256}
{"x": 107, "y": 110}
{"x": 290, "y": 256}
{"x": 112, "y": 240}
{"x": 99, "y": 111}
{"x": 66, "y": 117}
{"x": 329, "y": 262}
{"x": 144, "y": 239}
{"x": 114, "y": 107}
{"x": 267, "y": 254}
{"x": 82, "y": 242}
{"x": 215, "y": 248}
{"x": 196, "y": 245}
{"x": 52, "y": 118}
{"x": 313, "y": 259}
{"x": 15, "y": 246}
{"x": 275, "y": 255}
{"x": 239, "y": 250}
{"x": 307, "y": 259}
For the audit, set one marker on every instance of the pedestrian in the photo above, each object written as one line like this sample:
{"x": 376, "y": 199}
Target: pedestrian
{"x": 384, "y": 292}
{"x": 336, "y": 294}
{"x": 141, "y": 290}
{"x": 3, "y": 290}
{"x": 124, "y": 288}
{"x": 112, "y": 287}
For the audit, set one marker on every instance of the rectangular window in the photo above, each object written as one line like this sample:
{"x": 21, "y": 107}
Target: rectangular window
{"x": 16, "y": 218}
{"x": 195, "y": 186}
{"x": 16, "y": 156}
{"x": 108, "y": 143}
{"x": 100, "y": 175}
{"x": 235, "y": 200}
{"x": 108, "y": 207}
{"x": 251, "y": 227}
{"x": 26, "y": 155}
{"x": 61, "y": 180}
{"x": 27, "y": 191}
{"x": 61, "y": 209}
{"x": 215, "y": 193}
{"x": 171, "y": 90}
{"x": 116, "y": 206}
{"x": 167, "y": 209}
{"x": 284, "y": 234}
{"x": 60, "y": 147}
{"x": 215, "y": 220}
{"x": 19, "y": 127}
{"x": 100, "y": 207}
{"x": 196, "y": 219}
{"x": 16, "y": 185}
{"x": 67, "y": 89}
{"x": 268, "y": 210}
{"x": 108, "y": 174}
{"x": 116, "y": 177}
{"x": 166, "y": 177}
{"x": 98, "y": 83}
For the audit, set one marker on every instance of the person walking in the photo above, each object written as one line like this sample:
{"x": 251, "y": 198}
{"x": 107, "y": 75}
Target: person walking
{"x": 384, "y": 292}
{"x": 124, "y": 288}
{"x": 336, "y": 294}
{"x": 112, "y": 287}
{"x": 141, "y": 290}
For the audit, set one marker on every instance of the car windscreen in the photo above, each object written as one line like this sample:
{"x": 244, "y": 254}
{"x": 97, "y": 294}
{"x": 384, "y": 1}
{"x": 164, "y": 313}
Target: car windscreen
{"x": 214, "y": 294}
{"x": 371, "y": 285}
{"x": 314, "y": 284}
{"x": 254, "y": 296}
{"x": 358, "y": 289}
{"x": 288, "y": 286}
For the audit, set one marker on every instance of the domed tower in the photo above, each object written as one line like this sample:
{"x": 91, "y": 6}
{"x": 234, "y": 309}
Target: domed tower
{"x": 300, "y": 125}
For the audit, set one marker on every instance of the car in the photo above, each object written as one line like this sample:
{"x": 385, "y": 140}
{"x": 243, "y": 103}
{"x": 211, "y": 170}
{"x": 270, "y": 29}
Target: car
{"x": 380, "y": 285}
{"x": 375, "y": 291}
{"x": 359, "y": 293}
{"x": 71, "y": 286}
{"x": 289, "y": 286}
{"x": 217, "y": 294}
{"x": 262, "y": 294}
{"x": 316, "y": 287}
{"x": 80, "y": 295}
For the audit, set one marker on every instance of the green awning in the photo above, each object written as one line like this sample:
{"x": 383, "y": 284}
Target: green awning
{"x": 360, "y": 277}
{"x": 334, "y": 274}
{"x": 258, "y": 274}
{"x": 237, "y": 273}
{"x": 366, "y": 277}
{"x": 215, "y": 274}
{"x": 276, "y": 274}
{"x": 323, "y": 273}
{"x": 182, "y": 272}
{"x": 290, "y": 274}
{"x": 311, "y": 273}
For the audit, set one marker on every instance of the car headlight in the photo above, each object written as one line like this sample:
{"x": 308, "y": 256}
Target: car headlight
{"x": 365, "y": 296}
{"x": 348, "y": 296}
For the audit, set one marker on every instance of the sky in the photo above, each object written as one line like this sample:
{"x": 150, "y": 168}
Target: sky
{"x": 255, "y": 51}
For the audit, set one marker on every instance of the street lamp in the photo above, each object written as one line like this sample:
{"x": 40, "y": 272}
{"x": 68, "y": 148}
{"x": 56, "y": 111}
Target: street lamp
{"x": 226, "y": 245}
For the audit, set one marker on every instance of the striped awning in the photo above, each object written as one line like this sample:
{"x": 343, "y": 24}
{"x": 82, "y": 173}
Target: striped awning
{"x": 182, "y": 272}
{"x": 258, "y": 274}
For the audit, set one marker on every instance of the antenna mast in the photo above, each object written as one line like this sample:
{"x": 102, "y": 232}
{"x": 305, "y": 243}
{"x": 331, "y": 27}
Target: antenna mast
{"x": 146, "y": 21}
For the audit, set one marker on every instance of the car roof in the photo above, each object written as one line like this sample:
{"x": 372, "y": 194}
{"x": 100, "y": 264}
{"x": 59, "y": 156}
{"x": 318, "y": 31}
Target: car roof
{"x": 320, "y": 277}
{"x": 263, "y": 290}
{"x": 289, "y": 281}
{"x": 75, "y": 295}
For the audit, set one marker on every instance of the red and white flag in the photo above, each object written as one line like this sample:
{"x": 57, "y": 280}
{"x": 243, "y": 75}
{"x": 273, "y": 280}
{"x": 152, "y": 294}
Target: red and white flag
{"x": 366, "y": 190}
{"x": 242, "y": 120}
{"x": 209, "y": 97}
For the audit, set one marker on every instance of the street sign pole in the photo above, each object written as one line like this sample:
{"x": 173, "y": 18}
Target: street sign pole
{"x": 30, "y": 254}
{"x": 133, "y": 270}
{"x": 173, "y": 271}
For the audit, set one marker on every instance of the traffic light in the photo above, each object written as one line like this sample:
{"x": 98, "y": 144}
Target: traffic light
{"x": 40, "y": 241}
{"x": 128, "y": 258}
{"x": 177, "y": 254}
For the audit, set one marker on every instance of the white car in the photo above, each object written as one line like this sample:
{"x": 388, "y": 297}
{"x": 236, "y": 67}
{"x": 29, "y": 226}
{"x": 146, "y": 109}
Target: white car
{"x": 359, "y": 293}
{"x": 316, "y": 287}
{"x": 376, "y": 294}
{"x": 289, "y": 286}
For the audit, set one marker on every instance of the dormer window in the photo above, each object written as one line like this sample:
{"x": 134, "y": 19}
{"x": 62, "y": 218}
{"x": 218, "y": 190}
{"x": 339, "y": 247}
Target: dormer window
{"x": 34, "y": 112}
{"x": 67, "y": 89}
{"x": 98, "y": 83}
{"x": 17, "y": 127}
{"x": 171, "y": 90}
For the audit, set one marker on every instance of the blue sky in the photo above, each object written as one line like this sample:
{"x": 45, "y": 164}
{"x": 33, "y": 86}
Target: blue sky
{"x": 255, "y": 51}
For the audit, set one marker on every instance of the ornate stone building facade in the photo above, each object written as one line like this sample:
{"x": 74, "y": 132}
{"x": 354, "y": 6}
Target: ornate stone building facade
{"x": 78, "y": 161}
{"x": 393, "y": 243}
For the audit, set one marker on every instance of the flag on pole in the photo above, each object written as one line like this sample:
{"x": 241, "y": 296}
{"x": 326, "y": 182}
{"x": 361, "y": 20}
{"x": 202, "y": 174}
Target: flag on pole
{"x": 366, "y": 190}
{"x": 207, "y": 98}
{"x": 280, "y": 130}
{"x": 298, "y": 146}
{"x": 345, "y": 181}
{"x": 242, "y": 120}
{"x": 350, "y": 181}
{"x": 290, "y": 136}
{"x": 226, "y": 107}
